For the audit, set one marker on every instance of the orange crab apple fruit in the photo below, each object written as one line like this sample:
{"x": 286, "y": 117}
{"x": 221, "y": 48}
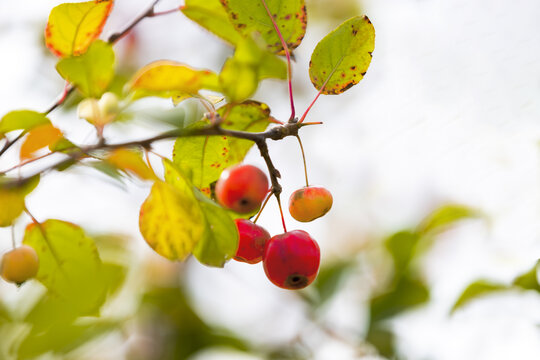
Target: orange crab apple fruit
{"x": 309, "y": 203}
{"x": 19, "y": 264}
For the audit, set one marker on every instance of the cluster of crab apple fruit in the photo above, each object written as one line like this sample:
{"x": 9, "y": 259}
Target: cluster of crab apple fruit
{"x": 290, "y": 260}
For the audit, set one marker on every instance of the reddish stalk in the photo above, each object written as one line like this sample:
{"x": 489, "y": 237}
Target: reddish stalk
{"x": 263, "y": 206}
{"x": 316, "y": 97}
{"x": 167, "y": 11}
{"x": 281, "y": 212}
{"x": 287, "y": 55}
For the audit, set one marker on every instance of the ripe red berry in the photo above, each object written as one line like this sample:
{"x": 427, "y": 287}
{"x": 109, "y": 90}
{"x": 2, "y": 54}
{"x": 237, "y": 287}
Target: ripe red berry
{"x": 20, "y": 264}
{"x": 309, "y": 203}
{"x": 253, "y": 238}
{"x": 242, "y": 188}
{"x": 291, "y": 260}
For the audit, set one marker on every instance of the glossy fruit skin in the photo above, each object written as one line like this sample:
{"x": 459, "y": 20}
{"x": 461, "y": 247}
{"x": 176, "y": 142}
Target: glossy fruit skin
{"x": 252, "y": 241}
{"x": 19, "y": 265}
{"x": 309, "y": 203}
{"x": 291, "y": 260}
{"x": 242, "y": 188}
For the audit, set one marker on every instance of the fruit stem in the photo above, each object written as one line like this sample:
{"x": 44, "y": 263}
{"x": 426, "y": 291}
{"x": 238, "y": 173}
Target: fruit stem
{"x": 167, "y": 11}
{"x": 262, "y": 207}
{"x": 316, "y": 97}
{"x": 304, "y": 159}
{"x": 13, "y": 236}
{"x": 287, "y": 55}
{"x": 281, "y": 212}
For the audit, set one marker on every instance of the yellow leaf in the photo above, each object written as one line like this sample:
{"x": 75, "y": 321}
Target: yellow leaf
{"x": 11, "y": 206}
{"x": 168, "y": 78}
{"x": 39, "y": 137}
{"x": 131, "y": 161}
{"x": 73, "y": 27}
{"x": 171, "y": 220}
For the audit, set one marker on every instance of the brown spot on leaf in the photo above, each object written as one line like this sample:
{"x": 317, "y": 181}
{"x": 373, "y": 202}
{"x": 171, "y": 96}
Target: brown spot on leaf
{"x": 353, "y": 67}
{"x": 234, "y": 16}
{"x": 367, "y": 19}
{"x": 354, "y": 31}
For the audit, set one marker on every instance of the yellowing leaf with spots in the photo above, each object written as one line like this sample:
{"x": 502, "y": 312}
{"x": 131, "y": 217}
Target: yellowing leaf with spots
{"x": 202, "y": 158}
{"x": 38, "y": 138}
{"x": 169, "y": 78}
{"x": 251, "y": 116}
{"x": 72, "y": 27}
{"x": 132, "y": 162}
{"x": 171, "y": 220}
{"x": 341, "y": 59}
{"x": 250, "y": 17}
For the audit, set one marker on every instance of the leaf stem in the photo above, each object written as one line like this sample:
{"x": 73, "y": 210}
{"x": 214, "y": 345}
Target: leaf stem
{"x": 287, "y": 55}
{"x": 316, "y": 97}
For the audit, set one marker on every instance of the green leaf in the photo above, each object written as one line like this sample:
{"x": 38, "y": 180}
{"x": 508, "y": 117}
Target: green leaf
{"x": 251, "y": 17}
{"x": 241, "y": 74}
{"x": 169, "y": 78}
{"x": 238, "y": 80}
{"x": 249, "y": 116}
{"x": 91, "y": 72}
{"x": 219, "y": 240}
{"x": 383, "y": 339}
{"x": 407, "y": 293}
{"x": 477, "y": 289}
{"x": 72, "y": 27}
{"x": 330, "y": 278}
{"x": 61, "y": 338}
{"x": 202, "y": 157}
{"x": 211, "y": 15}
{"x": 22, "y": 120}
{"x": 342, "y": 58}
{"x": 70, "y": 266}
{"x": 401, "y": 246}
{"x": 445, "y": 216}
{"x": 529, "y": 280}
{"x": 171, "y": 220}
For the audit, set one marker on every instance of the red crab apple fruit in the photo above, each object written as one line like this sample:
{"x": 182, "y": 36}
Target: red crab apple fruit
{"x": 252, "y": 240}
{"x": 242, "y": 188}
{"x": 291, "y": 260}
{"x": 309, "y": 203}
{"x": 19, "y": 264}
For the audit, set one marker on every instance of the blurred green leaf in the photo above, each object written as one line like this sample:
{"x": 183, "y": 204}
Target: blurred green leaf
{"x": 22, "y": 120}
{"x": 91, "y": 72}
{"x": 107, "y": 169}
{"x": 251, "y": 116}
{"x": 445, "y": 216}
{"x": 70, "y": 266}
{"x": 401, "y": 246}
{"x": 330, "y": 279}
{"x": 407, "y": 294}
{"x": 477, "y": 289}
{"x": 529, "y": 280}
{"x": 341, "y": 59}
{"x": 202, "y": 157}
{"x": 383, "y": 339}
{"x": 61, "y": 338}
{"x": 182, "y": 332}
{"x": 211, "y": 15}
{"x": 241, "y": 73}
{"x": 12, "y": 195}
{"x": 251, "y": 17}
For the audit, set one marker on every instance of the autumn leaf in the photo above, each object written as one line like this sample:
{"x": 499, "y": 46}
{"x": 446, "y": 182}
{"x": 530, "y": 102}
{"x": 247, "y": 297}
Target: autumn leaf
{"x": 72, "y": 27}
{"x": 38, "y": 138}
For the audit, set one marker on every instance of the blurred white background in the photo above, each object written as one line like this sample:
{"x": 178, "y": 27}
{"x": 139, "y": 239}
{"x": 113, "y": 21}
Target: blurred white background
{"x": 448, "y": 111}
